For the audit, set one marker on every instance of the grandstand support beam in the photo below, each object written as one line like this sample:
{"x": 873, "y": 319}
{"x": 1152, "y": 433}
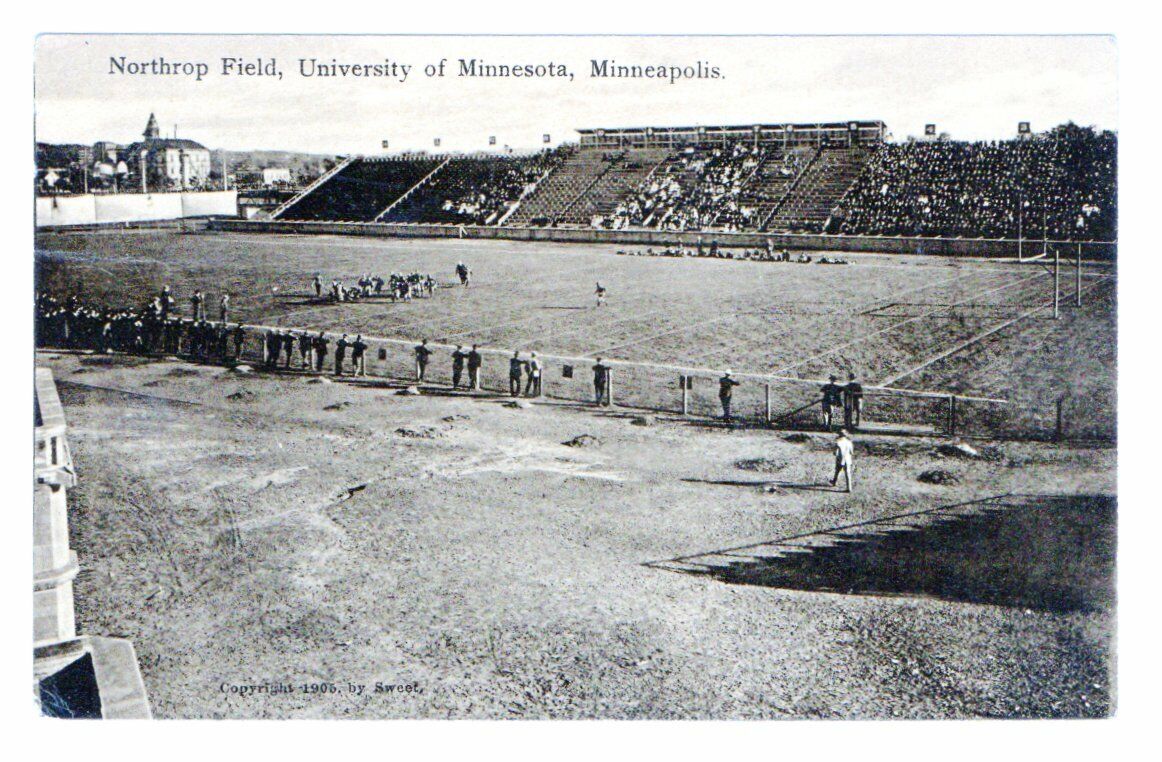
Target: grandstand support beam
{"x": 318, "y": 181}
{"x": 406, "y": 194}
{"x": 1056, "y": 283}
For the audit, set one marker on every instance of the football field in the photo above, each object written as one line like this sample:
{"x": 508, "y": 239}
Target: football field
{"x": 971, "y": 327}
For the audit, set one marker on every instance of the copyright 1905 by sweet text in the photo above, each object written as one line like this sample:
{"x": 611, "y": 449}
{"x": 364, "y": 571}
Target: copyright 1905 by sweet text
{"x": 384, "y": 688}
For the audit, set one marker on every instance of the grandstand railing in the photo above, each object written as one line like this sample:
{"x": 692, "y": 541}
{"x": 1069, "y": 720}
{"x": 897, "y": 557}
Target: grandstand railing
{"x": 834, "y": 242}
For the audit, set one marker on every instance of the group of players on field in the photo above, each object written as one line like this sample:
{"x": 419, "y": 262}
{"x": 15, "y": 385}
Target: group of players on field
{"x": 158, "y": 327}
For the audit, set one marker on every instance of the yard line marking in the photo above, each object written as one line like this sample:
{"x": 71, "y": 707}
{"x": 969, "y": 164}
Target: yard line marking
{"x": 983, "y": 370}
{"x": 735, "y": 348}
{"x": 974, "y": 339}
{"x": 893, "y": 326}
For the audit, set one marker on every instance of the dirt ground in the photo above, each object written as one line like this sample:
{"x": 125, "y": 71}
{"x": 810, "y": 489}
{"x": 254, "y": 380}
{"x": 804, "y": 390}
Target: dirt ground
{"x": 270, "y": 544}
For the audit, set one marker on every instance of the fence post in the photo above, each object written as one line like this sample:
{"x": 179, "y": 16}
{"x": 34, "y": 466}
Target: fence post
{"x": 685, "y": 395}
{"x": 1059, "y": 431}
{"x": 609, "y": 385}
{"x": 767, "y": 414}
{"x": 951, "y": 415}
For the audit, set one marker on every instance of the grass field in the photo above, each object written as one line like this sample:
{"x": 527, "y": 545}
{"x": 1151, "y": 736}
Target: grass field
{"x": 882, "y": 317}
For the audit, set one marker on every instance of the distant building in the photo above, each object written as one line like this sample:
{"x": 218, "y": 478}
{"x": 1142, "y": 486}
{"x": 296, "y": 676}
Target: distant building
{"x": 276, "y": 176}
{"x": 167, "y": 163}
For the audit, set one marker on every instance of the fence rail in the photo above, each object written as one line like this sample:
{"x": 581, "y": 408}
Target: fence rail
{"x": 781, "y": 402}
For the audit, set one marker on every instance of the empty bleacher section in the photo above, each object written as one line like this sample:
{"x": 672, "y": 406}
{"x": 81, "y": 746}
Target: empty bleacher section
{"x": 1062, "y": 184}
{"x": 557, "y": 192}
{"x": 362, "y": 190}
{"x": 815, "y": 193}
{"x": 473, "y": 190}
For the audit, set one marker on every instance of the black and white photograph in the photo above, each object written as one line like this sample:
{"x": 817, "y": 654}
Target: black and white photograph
{"x": 438, "y": 377}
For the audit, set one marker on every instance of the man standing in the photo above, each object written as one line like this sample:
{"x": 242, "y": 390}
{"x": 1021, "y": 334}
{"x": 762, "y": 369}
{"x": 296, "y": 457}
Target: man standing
{"x": 852, "y": 403}
{"x": 600, "y": 383}
{"x": 305, "y": 346}
{"x": 340, "y": 354}
{"x": 832, "y": 399}
{"x": 318, "y": 282}
{"x": 457, "y": 366}
{"x": 224, "y": 307}
{"x": 269, "y": 348}
{"x": 474, "y": 363}
{"x": 358, "y": 360}
{"x": 422, "y": 355}
{"x": 288, "y": 346}
{"x": 198, "y": 305}
{"x": 239, "y": 341}
{"x": 600, "y": 294}
{"x": 726, "y": 386}
{"x": 515, "y": 367}
{"x": 844, "y": 460}
{"x": 533, "y": 389}
{"x": 320, "y": 347}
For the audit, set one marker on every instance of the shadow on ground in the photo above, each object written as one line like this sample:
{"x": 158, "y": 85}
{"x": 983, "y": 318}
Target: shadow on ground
{"x": 1043, "y": 552}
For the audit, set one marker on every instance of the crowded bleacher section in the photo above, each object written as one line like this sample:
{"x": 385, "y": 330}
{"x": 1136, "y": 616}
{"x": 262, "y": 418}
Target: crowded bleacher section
{"x": 840, "y": 178}
{"x": 1061, "y": 184}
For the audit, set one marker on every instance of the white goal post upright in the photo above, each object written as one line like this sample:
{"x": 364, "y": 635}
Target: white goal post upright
{"x": 1078, "y": 279}
{"x": 1056, "y": 282}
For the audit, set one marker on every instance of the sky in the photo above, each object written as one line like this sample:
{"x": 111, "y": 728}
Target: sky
{"x": 971, "y": 87}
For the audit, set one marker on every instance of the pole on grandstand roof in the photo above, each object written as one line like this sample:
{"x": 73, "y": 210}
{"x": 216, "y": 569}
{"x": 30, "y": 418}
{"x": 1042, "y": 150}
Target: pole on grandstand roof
{"x": 1056, "y": 283}
{"x": 1079, "y": 274}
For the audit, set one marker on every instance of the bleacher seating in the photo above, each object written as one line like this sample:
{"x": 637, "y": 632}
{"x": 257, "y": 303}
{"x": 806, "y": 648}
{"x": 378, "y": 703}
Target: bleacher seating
{"x": 554, "y": 195}
{"x": 1062, "y": 183}
{"x": 361, "y": 190}
{"x": 473, "y": 190}
{"x": 624, "y": 173}
{"x": 772, "y": 181}
{"x": 822, "y": 184}
{"x": 695, "y": 188}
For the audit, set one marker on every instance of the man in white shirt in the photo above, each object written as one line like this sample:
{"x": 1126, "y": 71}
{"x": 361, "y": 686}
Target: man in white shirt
{"x": 533, "y": 388}
{"x": 844, "y": 459}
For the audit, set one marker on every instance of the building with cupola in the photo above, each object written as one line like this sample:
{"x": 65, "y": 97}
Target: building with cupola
{"x": 167, "y": 163}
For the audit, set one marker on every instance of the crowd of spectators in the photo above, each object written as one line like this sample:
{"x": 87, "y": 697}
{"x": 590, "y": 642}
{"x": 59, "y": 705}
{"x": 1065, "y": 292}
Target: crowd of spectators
{"x": 693, "y": 189}
{"x": 714, "y": 251}
{"x": 153, "y": 329}
{"x": 1062, "y": 184}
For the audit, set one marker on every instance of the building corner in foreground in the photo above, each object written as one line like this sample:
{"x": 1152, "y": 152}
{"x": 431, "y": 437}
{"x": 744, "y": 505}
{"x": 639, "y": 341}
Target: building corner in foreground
{"x": 75, "y": 676}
